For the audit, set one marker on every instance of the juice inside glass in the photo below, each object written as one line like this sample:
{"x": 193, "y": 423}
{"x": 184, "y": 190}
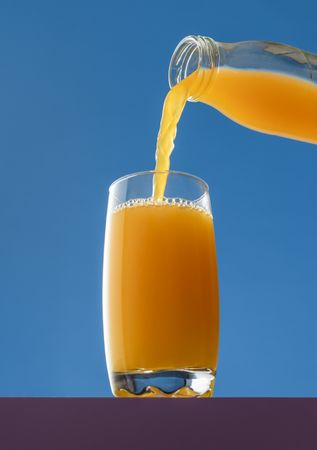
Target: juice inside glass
{"x": 160, "y": 288}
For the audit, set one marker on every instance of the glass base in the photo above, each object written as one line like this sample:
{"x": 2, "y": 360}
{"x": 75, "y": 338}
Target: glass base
{"x": 179, "y": 383}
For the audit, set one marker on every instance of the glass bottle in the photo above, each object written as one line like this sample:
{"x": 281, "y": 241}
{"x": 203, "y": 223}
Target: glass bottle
{"x": 266, "y": 86}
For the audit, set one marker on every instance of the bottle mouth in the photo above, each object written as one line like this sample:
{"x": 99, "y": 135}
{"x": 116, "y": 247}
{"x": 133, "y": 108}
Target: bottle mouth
{"x": 192, "y": 53}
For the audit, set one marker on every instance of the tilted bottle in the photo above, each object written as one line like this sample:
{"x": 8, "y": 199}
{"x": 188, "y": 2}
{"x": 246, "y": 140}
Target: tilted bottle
{"x": 266, "y": 86}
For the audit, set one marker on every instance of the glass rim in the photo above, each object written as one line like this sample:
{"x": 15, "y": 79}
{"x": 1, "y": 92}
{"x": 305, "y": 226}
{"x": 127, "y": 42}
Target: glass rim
{"x": 172, "y": 172}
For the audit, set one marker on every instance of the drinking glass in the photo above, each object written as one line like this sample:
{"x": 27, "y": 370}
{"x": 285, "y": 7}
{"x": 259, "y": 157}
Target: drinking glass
{"x": 160, "y": 288}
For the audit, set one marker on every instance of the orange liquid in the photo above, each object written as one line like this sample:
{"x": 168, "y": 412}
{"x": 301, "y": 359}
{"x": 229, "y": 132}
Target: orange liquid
{"x": 268, "y": 102}
{"x": 161, "y": 281}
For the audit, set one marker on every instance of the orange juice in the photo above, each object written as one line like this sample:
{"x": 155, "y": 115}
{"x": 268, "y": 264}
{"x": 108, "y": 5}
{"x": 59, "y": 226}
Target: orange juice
{"x": 269, "y": 102}
{"x": 161, "y": 281}
{"x": 265, "y": 101}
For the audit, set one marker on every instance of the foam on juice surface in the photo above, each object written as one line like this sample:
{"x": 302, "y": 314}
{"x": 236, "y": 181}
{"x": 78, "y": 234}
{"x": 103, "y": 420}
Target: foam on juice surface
{"x": 172, "y": 202}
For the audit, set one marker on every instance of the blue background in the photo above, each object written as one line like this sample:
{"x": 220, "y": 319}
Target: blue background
{"x": 82, "y": 85}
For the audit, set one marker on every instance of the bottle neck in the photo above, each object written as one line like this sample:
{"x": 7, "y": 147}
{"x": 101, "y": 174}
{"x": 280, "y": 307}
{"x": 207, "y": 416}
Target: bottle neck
{"x": 192, "y": 53}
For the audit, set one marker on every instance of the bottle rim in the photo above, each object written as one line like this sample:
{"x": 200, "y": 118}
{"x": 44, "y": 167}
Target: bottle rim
{"x": 192, "y": 53}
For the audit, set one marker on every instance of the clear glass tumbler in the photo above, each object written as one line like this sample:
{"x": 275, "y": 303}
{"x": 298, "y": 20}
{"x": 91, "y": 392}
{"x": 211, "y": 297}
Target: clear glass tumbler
{"x": 160, "y": 288}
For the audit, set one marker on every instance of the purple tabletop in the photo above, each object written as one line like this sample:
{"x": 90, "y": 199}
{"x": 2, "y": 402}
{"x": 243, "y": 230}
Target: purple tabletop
{"x": 158, "y": 424}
